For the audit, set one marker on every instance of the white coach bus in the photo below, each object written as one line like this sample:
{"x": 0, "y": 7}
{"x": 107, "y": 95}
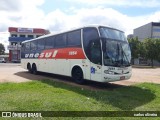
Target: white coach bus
{"x": 96, "y": 53}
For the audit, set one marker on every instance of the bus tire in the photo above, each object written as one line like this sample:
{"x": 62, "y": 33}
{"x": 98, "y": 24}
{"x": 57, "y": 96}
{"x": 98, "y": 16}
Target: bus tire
{"x": 77, "y": 75}
{"x": 34, "y": 69}
{"x": 29, "y": 68}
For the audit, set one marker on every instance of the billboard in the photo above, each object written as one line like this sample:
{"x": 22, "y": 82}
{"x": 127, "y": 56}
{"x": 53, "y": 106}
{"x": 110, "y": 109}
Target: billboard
{"x": 25, "y": 30}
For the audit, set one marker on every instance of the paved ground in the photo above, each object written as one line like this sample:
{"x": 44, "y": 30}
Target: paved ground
{"x": 140, "y": 75}
{"x": 14, "y": 73}
{"x": 8, "y": 73}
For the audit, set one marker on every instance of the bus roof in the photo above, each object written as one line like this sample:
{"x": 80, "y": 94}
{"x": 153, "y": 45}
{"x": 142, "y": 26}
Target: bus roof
{"x": 52, "y": 34}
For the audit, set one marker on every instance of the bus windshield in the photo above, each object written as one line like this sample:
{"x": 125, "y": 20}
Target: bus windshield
{"x": 117, "y": 51}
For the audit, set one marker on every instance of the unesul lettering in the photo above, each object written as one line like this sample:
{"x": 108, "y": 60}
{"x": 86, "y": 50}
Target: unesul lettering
{"x": 42, "y": 55}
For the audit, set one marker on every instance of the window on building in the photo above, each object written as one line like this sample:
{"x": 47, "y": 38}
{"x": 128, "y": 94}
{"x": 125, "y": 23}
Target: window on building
{"x": 60, "y": 40}
{"x": 22, "y": 36}
{"x": 156, "y": 29}
{"x": 38, "y": 36}
{"x": 13, "y": 43}
{"x": 13, "y": 35}
{"x": 74, "y": 38}
{"x": 30, "y": 36}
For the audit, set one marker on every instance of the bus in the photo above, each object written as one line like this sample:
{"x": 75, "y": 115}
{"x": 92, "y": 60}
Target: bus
{"x": 96, "y": 52}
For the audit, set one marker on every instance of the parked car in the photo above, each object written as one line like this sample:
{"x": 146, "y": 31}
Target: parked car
{"x": 2, "y": 60}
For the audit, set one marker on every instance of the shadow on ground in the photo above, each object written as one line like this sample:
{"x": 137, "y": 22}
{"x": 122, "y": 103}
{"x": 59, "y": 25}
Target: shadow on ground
{"x": 119, "y": 96}
{"x": 91, "y": 85}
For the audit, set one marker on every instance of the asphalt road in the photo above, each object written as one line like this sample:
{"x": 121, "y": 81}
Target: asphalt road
{"x": 13, "y": 72}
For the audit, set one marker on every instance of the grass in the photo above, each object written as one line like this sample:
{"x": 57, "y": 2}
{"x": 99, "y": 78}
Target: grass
{"x": 48, "y": 95}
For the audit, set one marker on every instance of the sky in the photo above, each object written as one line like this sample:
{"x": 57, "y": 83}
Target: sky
{"x": 62, "y": 15}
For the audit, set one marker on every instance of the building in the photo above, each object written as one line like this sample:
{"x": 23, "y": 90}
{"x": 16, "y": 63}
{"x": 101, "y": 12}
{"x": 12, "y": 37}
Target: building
{"x": 17, "y": 36}
{"x": 150, "y": 30}
{"x": 130, "y": 36}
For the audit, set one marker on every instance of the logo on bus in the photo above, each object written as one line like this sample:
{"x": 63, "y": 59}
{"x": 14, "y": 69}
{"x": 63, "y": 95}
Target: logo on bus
{"x": 42, "y": 55}
{"x": 72, "y": 52}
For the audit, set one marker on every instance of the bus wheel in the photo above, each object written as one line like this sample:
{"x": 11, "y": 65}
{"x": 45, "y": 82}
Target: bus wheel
{"x": 77, "y": 75}
{"x": 29, "y": 68}
{"x": 34, "y": 69}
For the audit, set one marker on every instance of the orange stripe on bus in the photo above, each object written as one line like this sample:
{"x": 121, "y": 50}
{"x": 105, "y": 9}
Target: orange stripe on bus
{"x": 63, "y": 53}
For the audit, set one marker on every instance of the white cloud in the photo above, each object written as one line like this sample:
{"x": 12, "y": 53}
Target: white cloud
{"x": 28, "y": 12}
{"x": 19, "y": 13}
{"x": 56, "y": 20}
{"x": 126, "y": 3}
{"x": 99, "y": 15}
{"x": 18, "y": 5}
{"x": 9, "y": 5}
{"x": 4, "y": 39}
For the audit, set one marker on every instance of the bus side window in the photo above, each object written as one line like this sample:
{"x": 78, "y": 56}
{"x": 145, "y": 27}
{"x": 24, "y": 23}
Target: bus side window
{"x": 91, "y": 43}
{"x": 60, "y": 40}
{"x": 74, "y": 38}
{"x": 41, "y": 44}
{"x": 23, "y": 47}
{"x": 33, "y": 45}
{"x": 27, "y": 46}
{"x": 49, "y": 42}
{"x": 96, "y": 55}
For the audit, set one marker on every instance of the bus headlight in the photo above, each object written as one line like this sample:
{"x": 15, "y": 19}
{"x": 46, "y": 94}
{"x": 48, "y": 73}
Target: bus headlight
{"x": 108, "y": 72}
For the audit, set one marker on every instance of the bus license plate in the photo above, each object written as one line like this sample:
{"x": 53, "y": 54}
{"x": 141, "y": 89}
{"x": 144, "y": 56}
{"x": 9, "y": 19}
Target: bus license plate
{"x": 122, "y": 77}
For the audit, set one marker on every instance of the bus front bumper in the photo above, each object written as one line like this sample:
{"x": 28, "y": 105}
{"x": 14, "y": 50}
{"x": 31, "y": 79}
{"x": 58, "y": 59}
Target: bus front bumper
{"x": 112, "y": 78}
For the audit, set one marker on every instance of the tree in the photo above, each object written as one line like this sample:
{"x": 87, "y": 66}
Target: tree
{"x": 137, "y": 48}
{"x": 157, "y": 45}
{"x": 142, "y": 50}
{"x": 2, "y": 49}
{"x": 134, "y": 47}
{"x": 153, "y": 48}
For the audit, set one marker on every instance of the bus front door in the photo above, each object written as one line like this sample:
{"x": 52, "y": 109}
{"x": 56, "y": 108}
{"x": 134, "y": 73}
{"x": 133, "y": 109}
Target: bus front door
{"x": 92, "y": 71}
{"x": 95, "y": 71}
{"x": 96, "y": 61}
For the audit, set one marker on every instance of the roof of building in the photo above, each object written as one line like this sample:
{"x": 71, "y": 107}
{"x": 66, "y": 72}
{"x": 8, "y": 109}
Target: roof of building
{"x": 27, "y": 30}
{"x": 151, "y": 23}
